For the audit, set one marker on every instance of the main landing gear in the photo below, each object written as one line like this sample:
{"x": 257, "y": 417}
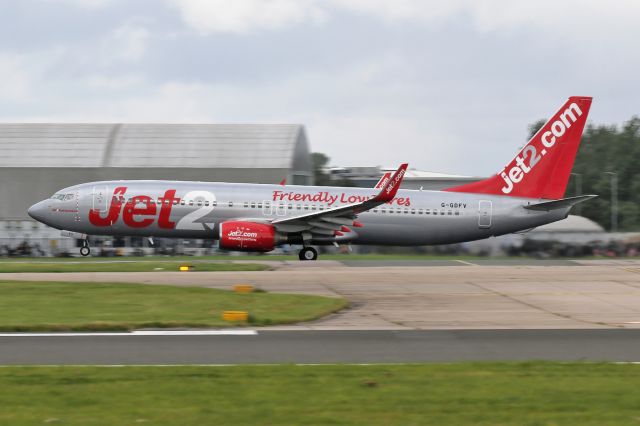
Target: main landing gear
{"x": 85, "y": 250}
{"x": 308, "y": 253}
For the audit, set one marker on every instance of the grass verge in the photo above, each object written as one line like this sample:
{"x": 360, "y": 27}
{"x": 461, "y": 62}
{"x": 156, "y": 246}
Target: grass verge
{"x": 57, "y": 306}
{"x": 432, "y": 394}
{"x": 123, "y": 265}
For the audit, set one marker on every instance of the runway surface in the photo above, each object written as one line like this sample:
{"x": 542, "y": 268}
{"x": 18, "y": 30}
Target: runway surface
{"x": 311, "y": 347}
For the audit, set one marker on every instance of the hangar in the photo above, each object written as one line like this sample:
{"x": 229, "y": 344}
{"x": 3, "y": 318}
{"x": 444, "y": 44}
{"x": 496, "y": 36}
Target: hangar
{"x": 39, "y": 159}
{"x": 367, "y": 177}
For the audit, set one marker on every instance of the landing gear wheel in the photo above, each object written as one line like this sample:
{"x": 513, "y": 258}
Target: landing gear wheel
{"x": 308, "y": 253}
{"x": 85, "y": 250}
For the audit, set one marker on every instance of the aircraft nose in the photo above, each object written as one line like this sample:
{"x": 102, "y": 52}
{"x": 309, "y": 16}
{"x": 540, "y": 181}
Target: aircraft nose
{"x": 37, "y": 211}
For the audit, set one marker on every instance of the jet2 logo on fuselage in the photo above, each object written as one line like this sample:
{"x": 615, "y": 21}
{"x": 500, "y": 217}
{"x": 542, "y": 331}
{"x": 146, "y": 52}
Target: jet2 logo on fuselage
{"x": 138, "y": 212}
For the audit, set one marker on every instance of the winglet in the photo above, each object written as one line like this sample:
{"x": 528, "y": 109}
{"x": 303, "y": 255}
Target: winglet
{"x": 383, "y": 180}
{"x": 391, "y": 187}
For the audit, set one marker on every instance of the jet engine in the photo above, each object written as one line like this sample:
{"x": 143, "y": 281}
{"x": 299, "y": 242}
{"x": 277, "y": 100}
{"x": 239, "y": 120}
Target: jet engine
{"x": 248, "y": 236}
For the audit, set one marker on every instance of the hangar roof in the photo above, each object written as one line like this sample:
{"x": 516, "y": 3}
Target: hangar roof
{"x": 152, "y": 145}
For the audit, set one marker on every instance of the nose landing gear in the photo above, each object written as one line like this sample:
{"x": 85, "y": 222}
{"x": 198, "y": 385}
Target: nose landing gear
{"x": 85, "y": 250}
{"x": 308, "y": 253}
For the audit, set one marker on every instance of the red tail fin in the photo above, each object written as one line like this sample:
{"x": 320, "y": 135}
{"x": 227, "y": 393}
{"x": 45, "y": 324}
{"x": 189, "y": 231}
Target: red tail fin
{"x": 542, "y": 168}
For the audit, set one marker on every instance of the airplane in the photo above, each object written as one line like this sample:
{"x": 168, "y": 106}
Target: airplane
{"x": 527, "y": 193}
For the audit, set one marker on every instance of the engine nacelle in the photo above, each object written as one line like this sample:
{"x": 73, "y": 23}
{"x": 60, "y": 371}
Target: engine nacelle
{"x": 247, "y": 236}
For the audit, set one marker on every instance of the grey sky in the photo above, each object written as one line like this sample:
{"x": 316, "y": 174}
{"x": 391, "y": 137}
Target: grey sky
{"x": 448, "y": 86}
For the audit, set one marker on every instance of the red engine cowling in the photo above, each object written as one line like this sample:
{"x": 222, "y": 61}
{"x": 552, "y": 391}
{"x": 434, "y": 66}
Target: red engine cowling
{"x": 247, "y": 236}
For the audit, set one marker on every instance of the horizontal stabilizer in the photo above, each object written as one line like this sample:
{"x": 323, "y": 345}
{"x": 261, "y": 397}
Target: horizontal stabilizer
{"x": 559, "y": 204}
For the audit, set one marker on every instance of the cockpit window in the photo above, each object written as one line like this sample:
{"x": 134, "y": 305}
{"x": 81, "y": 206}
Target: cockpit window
{"x": 63, "y": 197}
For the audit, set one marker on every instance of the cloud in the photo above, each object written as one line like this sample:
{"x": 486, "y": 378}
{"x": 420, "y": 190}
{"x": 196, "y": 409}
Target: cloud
{"x": 15, "y": 81}
{"x": 120, "y": 82}
{"x": 127, "y": 42}
{"x": 450, "y": 86}
{"x": 88, "y": 4}
{"x": 570, "y": 18}
{"x": 575, "y": 19}
{"x": 244, "y": 16}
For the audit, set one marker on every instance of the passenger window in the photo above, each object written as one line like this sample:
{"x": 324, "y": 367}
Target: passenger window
{"x": 182, "y": 203}
{"x": 419, "y": 211}
{"x": 260, "y": 205}
{"x": 253, "y": 205}
{"x": 191, "y": 202}
{"x": 206, "y": 203}
{"x": 413, "y": 211}
{"x": 214, "y": 203}
{"x": 199, "y": 203}
{"x": 290, "y": 206}
{"x": 298, "y": 206}
{"x": 246, "y": 205}
{"x": 175, "y": 202}
{"x": 306, "y": 207}
{"x": 230, "y": 203}
{"x": 449, "y": 212}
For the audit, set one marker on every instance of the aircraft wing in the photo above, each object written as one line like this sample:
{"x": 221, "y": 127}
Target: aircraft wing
{"x": 334, "y": 221}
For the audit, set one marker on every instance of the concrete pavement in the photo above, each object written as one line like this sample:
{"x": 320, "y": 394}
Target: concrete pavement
{"x": 587, "y": 294}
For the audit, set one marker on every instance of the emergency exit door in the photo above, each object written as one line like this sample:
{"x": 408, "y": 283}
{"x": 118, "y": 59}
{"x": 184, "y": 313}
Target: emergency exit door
{"x": 485, "y": 208}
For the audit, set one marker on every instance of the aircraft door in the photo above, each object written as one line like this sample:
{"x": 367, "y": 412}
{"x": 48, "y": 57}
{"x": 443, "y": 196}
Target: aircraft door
{"x": 100, "y": 198}
{"x": 485, "y": 208}
{"x": 266, "y": 208}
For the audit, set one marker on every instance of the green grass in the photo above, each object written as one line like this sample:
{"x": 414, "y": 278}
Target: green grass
{"x": 123, "y": 265}
{"x": 56, "y": 306}
{"x": 524, "y": 394}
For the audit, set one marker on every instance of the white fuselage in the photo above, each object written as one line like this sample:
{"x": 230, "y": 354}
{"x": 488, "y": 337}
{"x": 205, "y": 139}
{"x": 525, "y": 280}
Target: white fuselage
{"x": 196, "y": 209}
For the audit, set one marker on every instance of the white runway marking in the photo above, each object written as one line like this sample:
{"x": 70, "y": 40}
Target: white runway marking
{"x": 464, "y": 262}
{"x": 141, "y": 333}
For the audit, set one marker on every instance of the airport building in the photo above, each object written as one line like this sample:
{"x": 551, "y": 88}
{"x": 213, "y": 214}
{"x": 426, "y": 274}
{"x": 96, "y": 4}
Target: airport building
{"x": 39, "y": 159}
{"x": 367, "y": 177}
